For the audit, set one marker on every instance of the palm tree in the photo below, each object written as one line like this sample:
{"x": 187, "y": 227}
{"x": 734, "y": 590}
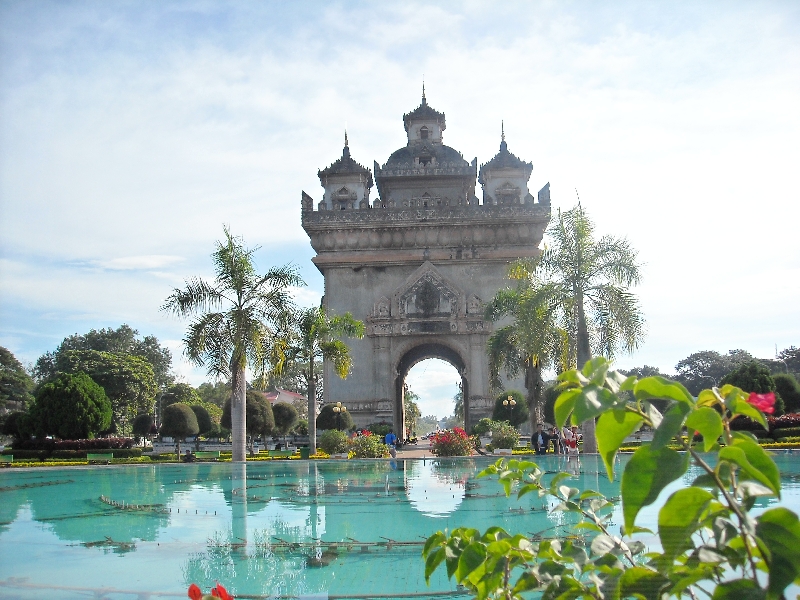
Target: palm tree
{"x": 530, "y": 343}
{"x": 587, "y": 282}
{"x": 314, "y": 336}
{"x": 235, "y": 324}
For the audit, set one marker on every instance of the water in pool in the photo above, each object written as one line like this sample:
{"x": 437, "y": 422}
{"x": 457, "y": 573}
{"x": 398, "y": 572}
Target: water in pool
{"x": 269, "y": 529}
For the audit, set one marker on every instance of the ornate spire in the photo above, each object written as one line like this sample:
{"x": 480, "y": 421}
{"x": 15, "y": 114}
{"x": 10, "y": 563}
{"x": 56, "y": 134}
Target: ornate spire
{"x": 424, "y": 101}
{"x": 503, "y": 145}
{"x": 346, "y": 151}
{"x": 345, "y": 137}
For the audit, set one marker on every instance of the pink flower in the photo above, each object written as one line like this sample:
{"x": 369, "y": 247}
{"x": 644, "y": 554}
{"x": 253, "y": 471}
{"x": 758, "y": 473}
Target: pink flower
{"x": 763, "y": 402}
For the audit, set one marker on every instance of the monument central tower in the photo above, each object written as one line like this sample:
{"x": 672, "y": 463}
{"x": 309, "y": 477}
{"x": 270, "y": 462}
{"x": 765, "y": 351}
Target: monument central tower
{"x": 417, "y": 263}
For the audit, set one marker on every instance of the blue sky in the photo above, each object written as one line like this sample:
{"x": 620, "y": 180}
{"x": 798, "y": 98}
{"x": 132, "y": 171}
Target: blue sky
{"x": 131, "y": 131}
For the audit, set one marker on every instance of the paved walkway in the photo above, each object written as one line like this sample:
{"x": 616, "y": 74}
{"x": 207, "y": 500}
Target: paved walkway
{"x": 422, "y": 449}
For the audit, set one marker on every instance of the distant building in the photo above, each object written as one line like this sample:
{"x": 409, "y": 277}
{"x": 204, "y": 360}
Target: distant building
{"x": 284, "y": 396}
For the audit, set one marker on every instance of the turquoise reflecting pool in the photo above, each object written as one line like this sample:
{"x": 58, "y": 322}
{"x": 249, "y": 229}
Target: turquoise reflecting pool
{"x": 299, "y": 528}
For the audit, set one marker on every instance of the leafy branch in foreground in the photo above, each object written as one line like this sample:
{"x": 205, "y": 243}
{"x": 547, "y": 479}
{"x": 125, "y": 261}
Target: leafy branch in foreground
{"x": 710, "y": 543}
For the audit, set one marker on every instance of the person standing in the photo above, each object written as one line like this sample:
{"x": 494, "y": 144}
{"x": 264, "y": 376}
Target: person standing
{"x": 558, "y": 441}
{"x": 391, "y": 441}
{"x": 540, "y": 440}
{"x": 571, "y": 438}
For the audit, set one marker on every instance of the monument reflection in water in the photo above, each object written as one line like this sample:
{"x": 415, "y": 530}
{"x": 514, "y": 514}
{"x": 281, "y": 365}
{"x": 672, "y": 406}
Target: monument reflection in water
{"x": 291, "y": 528}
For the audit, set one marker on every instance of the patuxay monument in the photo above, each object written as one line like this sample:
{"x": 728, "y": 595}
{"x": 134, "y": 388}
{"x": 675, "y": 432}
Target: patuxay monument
{"x": 417, "y": 262}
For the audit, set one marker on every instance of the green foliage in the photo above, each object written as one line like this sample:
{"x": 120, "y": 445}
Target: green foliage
{"x": 180, "y": 392}
{"x": 504, "y": 435}
{"x": 15, "y": 383}
{"x": 411, "y": 410}
{"x": 707, "y": 367}
{"x": 178, "y": 421}
{"x": 302, "y": 427}
{"x": 369, "y": 446}
{"x": 123, "y": 340}
{"x": 128, "y": 380}
{"x": 451, "y": 442}
{"x": 380, "y": 429}
{"x": 142, "y": 425}
{"x": 328, "y": 419}
{"x": 215, "y": 393}
{"x": 286, "y": 417}
{"x": 710, "y": 544}
{"x": 788, "y": 388}
{"x": 753, "y": 376}
{"x": 16, "y": 425}
{"x": 482, "y": 427}
{"x": 517, "y": 414}
{"x": 260, "y": 420}
{"x": 334, "y": 441}
{"x": 70, "y": 407}
{"x": 550, "y": 397}
{"x": 204, "y": 423}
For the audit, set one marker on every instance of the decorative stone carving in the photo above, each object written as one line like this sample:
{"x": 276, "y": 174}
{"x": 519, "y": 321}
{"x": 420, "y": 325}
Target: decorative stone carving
{"x": 474, "y": 305}
{"x": 382, "y": 308}
{"x": 427, "y": 295}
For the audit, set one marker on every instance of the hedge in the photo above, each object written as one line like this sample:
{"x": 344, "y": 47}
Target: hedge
{"x": 50, "y": 445}
{"x": 68, "y": 454}
{"x": 786, "y": 432}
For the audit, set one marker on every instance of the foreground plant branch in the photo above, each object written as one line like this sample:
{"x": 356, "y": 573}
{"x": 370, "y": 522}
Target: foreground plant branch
{"x": 710, "y": 542}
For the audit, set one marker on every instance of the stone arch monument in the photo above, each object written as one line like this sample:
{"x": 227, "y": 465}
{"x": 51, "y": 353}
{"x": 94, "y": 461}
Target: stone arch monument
{"x": 418, "y": 262}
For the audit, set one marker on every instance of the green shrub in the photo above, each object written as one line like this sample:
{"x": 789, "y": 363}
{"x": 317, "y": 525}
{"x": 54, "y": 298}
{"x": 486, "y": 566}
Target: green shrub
{"x": 369, "y": 446}
{"x": 482, "y": 427}
{"x": 142, "y": 425}
{"x": 334, "y": 441}
{"x": 786, "y": 432}
{"x": 260, "y": 420}
{"x": 755, "y": 377}
{"x": 788, "y": 388}
{"x": 328, "y": 419}
{"x": 505, "y": 436}
{"x": 286, "y": 417}
{"x": 204, "y": 422}
{"x": 379, "y": 429}
{"x": 302, "y": 427}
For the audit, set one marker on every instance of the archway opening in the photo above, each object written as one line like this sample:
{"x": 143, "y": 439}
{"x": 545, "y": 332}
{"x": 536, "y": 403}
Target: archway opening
{"x": 436, "y": 374}
{"x": 432, "y": 386}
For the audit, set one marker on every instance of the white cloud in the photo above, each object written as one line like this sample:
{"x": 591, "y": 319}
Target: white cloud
{"x": 141, "y": 263}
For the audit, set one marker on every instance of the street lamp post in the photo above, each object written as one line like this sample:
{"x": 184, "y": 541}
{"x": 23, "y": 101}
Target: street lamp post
{"x": 511, "y": 404}
{"x": 339, "y": 409}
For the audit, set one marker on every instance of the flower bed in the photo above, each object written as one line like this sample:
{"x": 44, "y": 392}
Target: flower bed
{"x": 451, "y": 442}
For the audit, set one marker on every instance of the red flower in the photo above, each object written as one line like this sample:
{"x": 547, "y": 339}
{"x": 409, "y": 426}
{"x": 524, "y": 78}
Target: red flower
{"x": 221, "y": 592}
{"x": 195, "y": 593}
{"x": 763, "y": 402}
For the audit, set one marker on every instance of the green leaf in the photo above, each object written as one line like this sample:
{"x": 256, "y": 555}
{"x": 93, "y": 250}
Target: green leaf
{"x": 646, "y": 474}
{"x": 596, "y": 368}
{"x": 754, "y": 463}
{"x": 612, "y": 429}
{"x": 591, "y": 402}
{"x": 708, "y": 423}
{"x": 603, "y": 544}
{"x": 779, "y": 530}
{"x": 436, "y": 539}
{"x": 739, "y": 589}
{"x": 471, "y": 558}
{"x": 671, "y": 425}
{"x": 742, "y": 407}
{"x": 433, "y": 561}
{"x": 565, "y": 404}
{"x": 660, "y": 388}
{"x": 679, "y": 518}
{"x": 642, "y": 582}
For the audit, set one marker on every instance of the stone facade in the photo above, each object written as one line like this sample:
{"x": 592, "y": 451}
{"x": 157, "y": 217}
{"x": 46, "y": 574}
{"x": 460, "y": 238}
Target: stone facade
{"x": 417, "y": 264}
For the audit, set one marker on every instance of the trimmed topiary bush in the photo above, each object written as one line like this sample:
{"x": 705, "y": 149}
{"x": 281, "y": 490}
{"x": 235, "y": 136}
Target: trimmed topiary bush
{"x": 260, "y": 420}
{"x": 286, "y": 417}
{"x": 204, "y": 422}
{"x": 142, "y": 425}
{"x": 334, "y": 441}
{"x": 327, "y": 419}
{"x": 178, "y": 421}
{"x": 517, "y": 414}
{"x": 789, "y": 390}
{"x": 71, "y": 407}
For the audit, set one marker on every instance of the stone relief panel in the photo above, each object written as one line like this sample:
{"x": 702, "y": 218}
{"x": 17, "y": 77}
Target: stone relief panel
{"x": 382, "y": 309}
{"x": 427, "y": 294}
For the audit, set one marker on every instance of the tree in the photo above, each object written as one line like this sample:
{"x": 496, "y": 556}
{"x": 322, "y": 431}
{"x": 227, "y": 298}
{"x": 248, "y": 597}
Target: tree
{"x": 16, "y": 424}
{"x": 235, "y": 323}
{"x": 122, "y": 340}
{"x": 260, "y": 420}
{"x": 204, "y": 422}
{"x": 71, "y": 407}
{"x": 516, "y": 414}
{"x": 458, "y": 404}
{"x": 127, "y": 380}
{"x": 789, "y": 390}
{"x": 532, "y": 342}
{"x": 179, "y": 421}
{"x": 15, "y": 384}
{"x": 294, "y": 377}
{"x": 330, "y": 419}
{"x": 587, "y": 282}
{"x": 310, "y": 339}
{"x": 286, "y": 417}
{"x": 411, "y": 411}
{"x": 217, "y": 393}
{"x": 791, "y": 358}
{"x": 142, "y": 426}
{"x": 180, "y": 392}
{"x": 706, "y": 368}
